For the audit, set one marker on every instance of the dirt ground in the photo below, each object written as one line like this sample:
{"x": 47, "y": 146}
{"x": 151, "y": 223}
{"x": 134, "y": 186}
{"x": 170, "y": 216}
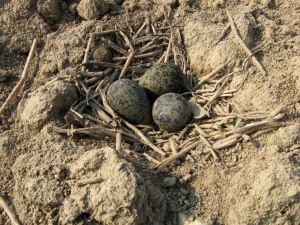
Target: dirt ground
{"x": 43, "y": 174}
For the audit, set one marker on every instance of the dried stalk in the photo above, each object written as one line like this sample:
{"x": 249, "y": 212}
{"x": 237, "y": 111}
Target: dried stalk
{"x": 143, "y": 137}
{"x": 141, "y": 56}
{"x": 107, "y": 106}
{"x": 87, "y": 50}
{"x": 114, "y": 66}
{"x": 118, "y": 141}
{"x": 126, "y": 39}
{"x": 168, "y": 49}
{"x": 210, "y": 147}
{"x": 182, "y": 133}
{"x": 217, "y": 93}
{"x": 151, "y": 159}
{"x": 210, "y": 75}
{"x": 200, "y": 131}
{"x": 140, "y": 30}
{"x": 172, "y": 158}
{"x": 243, "y": 45}
{"x": 105, "y": 32}
{"x": 224, "y": 31}
{"x": 173, "y": 145}
{"x": 9, "y": 212}
{"x": 127, "y": 64}
{"x": 102, "y": 115}
{"x": 251, "y": 127}
{"x": 99, "y": 74}
{"x": 93, "y": 180}
{"x": 22, "y": 80}
{"x": 114, "y": 46}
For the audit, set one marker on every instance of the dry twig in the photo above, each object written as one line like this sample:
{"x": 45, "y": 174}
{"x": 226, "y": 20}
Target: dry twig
{"x": 22, "y": 80}
{"x": 243, "y": 45}
{"x": 9, "y": 212}
{"x": 172, "y": 158}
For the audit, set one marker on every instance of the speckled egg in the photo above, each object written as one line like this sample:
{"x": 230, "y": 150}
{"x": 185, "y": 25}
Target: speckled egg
{"x": 171, "y": 112}
{"x": 129, "y": 100}
{"x": 162, "y": 78}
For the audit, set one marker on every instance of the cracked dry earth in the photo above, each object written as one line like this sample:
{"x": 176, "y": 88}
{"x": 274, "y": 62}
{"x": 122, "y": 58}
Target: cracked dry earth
{"x": 48, "y": 178}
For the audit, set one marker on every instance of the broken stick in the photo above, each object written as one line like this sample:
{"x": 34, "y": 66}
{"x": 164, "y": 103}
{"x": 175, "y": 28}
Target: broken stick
{"x": 243, "y": 45}
{"x": 22, "y": 80}
{"x": 9, "y": 212}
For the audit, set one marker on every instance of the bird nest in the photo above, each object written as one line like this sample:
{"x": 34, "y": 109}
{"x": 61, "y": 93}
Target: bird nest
{"x": 217, "y": 122}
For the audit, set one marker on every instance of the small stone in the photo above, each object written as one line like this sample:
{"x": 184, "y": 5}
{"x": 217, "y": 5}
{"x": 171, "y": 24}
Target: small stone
{"x": 186, "y": 202}
{"x": 183, "y": 191}
{"x": 169, "y": 181}
{"x": 192, "y": 211}
{"x": 166, "y": 147}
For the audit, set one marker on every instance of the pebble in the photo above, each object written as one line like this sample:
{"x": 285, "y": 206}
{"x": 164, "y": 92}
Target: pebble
{"x": 166, "y": 147}
{"x": 169, "y": 181}
{"x": 183, "y": 191}
{"x": 186, "y": 202}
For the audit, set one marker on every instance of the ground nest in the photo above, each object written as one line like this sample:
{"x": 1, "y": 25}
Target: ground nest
{"x": 217, "y": 121}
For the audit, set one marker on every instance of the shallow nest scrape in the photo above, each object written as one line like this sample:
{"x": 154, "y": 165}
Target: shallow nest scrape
{"x": 217, "y": 124}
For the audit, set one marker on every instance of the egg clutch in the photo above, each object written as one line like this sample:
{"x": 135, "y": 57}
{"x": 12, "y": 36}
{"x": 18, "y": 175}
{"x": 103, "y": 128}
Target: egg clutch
{"x": 163, "y": 82}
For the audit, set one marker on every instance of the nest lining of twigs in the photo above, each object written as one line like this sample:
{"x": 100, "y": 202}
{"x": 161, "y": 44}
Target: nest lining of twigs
{"x": 221, "y": 123}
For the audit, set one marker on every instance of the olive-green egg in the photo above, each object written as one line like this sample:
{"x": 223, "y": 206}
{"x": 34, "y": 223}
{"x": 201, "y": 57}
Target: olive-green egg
{"x": 171, "y": 112}
{"x": 130, "y": 101}
{"x": 162, "y": 78}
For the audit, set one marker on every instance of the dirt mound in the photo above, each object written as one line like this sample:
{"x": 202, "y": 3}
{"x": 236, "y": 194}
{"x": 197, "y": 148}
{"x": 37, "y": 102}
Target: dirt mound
{"x": 98, "y": 186}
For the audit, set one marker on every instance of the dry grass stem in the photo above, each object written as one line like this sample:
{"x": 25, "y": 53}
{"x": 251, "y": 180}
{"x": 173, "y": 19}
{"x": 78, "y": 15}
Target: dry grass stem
{"x": 127, "y": 64}
{"x": 143, "y": 137}
{"x": 243, "y": 45}
{"x": 22, "y": 80}
{"x": 182, "y": 133}
{"x": 126, "y": 39}
{"x": 172, "y": 158}
{"x": 252, "y": 127}
{"x": 102, "y": 115}
{"x": 168, "y": 50}
{"x": 210, "y": 147}
{"x": 201, "y": 131}
{"x": 94, "y": 180}
{"x": 107, "y": 106}
{"x": 105, "y": 32}
{"x": 173, "y": 145}
{"x": 87, "y": 50}
{"x": 118, "y": 141}
{"x": 114, "y": 46}
{"x": 12, "y": 216}
{"x": 141, "y": 56}
{"x": 140, "y": 30}
{"x": 224, "y": 32}
{"x": 151, "y": 159}
{"x": 210, "y": 75}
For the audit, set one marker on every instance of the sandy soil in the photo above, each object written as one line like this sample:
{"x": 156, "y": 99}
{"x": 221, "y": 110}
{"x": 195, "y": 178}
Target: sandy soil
{"x": 44, "y": 175}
